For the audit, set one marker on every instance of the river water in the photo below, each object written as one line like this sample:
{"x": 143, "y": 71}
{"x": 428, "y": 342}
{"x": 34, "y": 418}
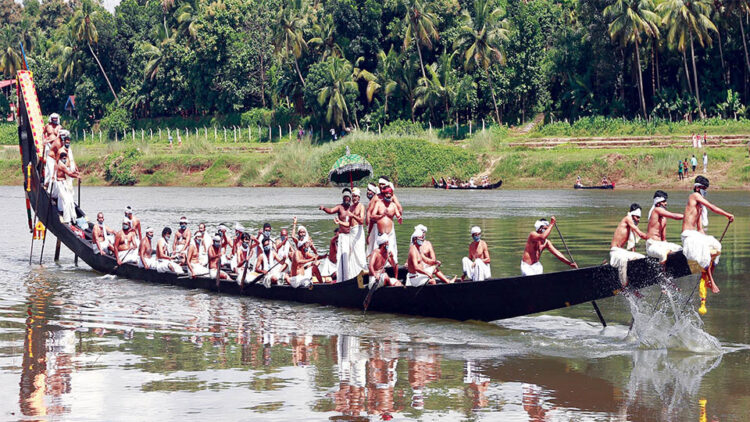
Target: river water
{"x": 77, "y": 345}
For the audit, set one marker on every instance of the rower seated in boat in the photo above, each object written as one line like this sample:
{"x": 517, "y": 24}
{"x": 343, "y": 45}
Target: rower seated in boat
{"x": 303, "y": 259}
{"x": 135, "y": 223}
{"x": 193, "y": 261}
{"x": 476, "y": 266}
{"x": 244, "y": 258}
{"x": 165, "y": 260}
{"x": 125, "y": 244}
{"x": 146, "y": 258}
{"x": 214, "y": 260}
{"x": 378, "y": 260}
{"x": 656, "y": 244}
{"x": 578, "y": 181}
{"x": 236, "y": 242}
{"x": 536, "y": 243}
{"x": 419, "y": 271}
{"x": 623, "y": 243}
{"x": 325, "y": 272}
{"x": 102, "y": 237}
{"x": 181, "y": 238}
{"x": 284, "y": 247}
{"x": 696, "y": 244}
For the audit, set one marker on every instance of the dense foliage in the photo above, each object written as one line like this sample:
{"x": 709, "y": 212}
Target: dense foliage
{"x": 350, "y": 63}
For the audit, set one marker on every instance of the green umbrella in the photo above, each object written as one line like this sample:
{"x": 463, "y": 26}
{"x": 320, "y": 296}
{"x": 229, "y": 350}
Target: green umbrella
{"x": 348, "y": 169}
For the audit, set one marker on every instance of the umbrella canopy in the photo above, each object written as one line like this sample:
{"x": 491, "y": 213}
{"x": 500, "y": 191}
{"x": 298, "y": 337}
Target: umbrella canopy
{"x": 348, "y": 169}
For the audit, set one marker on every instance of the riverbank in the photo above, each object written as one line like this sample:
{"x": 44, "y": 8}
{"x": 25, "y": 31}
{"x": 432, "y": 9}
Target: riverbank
{"x": 410, "y": 160}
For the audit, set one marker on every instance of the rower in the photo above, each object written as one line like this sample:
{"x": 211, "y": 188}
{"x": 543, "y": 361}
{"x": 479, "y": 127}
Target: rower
{"x": 146, "y": 257}
{"x": 656, "y": 244}
{"x": 239, "y": 234}
{"x": 181, "y": 238}
{"x": 325, "y": 272}
{"x": 245, "y": 256}
{"x": 62, "y": 190}
{"x": 604, "y": 181}
{"x": 102, "y": 237}
{"x": 284, "y": 246}
{"x": 419, "y": 272}
{"x": 696, "y": 244}
{"x": 204, "y": 245}
{"x": 476, "y": 266}
{"x": 227, "y": 243}
{"x": 214, "y": 259}
{"x": 578, "y": 181}
{"x": 378, "y": 260}
{"x": 193, "y": 261}
{"x": 383, "y": 215}
{"x": 304, "y": 237}
{"x": 536, "y": 243}
{"x": 624, "y": 241}
{"x": 301, "y": 272}
{"x": 136, "y": 223}
{"x": 358, "y": 257}
{"x": 266, "y": 233}
{"x": 164, "y": 257}
{"x": 125, "y": 244}
{"x": 344, "y": 246}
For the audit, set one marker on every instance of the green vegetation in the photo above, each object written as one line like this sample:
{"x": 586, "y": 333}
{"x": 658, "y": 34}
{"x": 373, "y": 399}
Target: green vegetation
{"x": 601, "y": 126}
{"x": 8, "y": 134}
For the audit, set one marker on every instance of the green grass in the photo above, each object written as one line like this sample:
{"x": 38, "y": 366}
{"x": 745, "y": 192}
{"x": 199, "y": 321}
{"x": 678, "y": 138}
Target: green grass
{"x": 603, "y": 126}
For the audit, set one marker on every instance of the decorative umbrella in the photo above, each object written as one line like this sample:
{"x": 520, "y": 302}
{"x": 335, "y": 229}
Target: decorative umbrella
{"x": 348, "y": 169}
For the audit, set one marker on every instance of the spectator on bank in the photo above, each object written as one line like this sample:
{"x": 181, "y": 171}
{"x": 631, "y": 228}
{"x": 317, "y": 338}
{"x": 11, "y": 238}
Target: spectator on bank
{"x": 705, "y": 162}
{"x": 679, "y": 171}
{"x": 694, "y": 162}
{"x": 685, "y": 168}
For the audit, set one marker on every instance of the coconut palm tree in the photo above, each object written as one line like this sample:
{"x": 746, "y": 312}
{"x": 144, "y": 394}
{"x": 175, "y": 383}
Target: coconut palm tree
{"x": 481, "y": 39}
{"x": 439, "y": 87}
{"x": 687, "y": 21}
{"x": 420, "y": 28}
{"x": 65, "y": 54}
{"x": 85, "y": 30}
{"x": 631, "y": 20}
{"x": 154, "y": 53}
{"x": 325, "y": 39}
{"x": 333, "y": 95}
{"x": 10, "y": 62}
{"x": 389, "y": 66}
{"x": 187, "y": 20}
{"x": 288, "y": 34}
{"x": 740, "y": 8}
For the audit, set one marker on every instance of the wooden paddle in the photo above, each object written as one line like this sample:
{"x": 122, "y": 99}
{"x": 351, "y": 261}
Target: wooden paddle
{"x": 593, "y": 302}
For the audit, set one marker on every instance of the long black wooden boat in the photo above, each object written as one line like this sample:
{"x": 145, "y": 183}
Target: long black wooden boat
{"x": 442, "y": 185}
{"x": 594, "y": 187}
{"x": 486, "y": 300}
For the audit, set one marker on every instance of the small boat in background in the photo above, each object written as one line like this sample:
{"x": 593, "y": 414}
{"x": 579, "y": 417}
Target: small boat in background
{"x": 444, "y": 185}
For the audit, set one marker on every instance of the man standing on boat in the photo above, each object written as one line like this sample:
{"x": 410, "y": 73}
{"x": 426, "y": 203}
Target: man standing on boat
{"x": 419, "y": 272}
{"x": 51, "y": 132}
{"x": 135, "y": 223}
{"x": 383, "y": 215}
{"x": 102, "y": 236}
{"x": 146, "y": 251}
{"x": 477, "y": 265}
{"x": 373, "y": 193}
{"x": 536, "y": 243}
{"x": 344, "y": 247}
{"x": 382, "y": 183}
{"x": 623, "y": 242}
{"x": 62, "y": 190}
{"x": 378, "y": 260}
{"x": 358, "y": 259}
{"x": 125, "y": 244}
{"x": 656, "y": 244}
{"x": 696, "y": 244}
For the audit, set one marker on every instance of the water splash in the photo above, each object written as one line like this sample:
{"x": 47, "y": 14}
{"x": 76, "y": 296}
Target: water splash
{"x": 668, "y": 323}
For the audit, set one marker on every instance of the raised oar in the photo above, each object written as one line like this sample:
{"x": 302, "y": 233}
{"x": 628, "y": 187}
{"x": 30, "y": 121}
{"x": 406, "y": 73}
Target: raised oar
{"x": 699, "y": 280}
{"x": 593, "y": 302}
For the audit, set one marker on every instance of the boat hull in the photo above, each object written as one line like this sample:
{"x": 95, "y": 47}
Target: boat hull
{"x": 594, "y": 187}
{"x": 483, "y": 187}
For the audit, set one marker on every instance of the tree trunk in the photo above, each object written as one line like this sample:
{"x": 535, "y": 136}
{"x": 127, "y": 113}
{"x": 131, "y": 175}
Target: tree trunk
{"x": 494, "y": 100}
{"x": 103, "y": 72}
{"x": 695, "y": 78}
{"x": 640, "y": 80}
{"x": 744, "y": 42}
{"x": 653, "y": 71}
{"x": 262, "y": 81}
{"x": 421, "y": 63}
{"x": 721, "y": 56}
{"x": 296, "y": 66}
{"x": 687, "y": 73}
{"x": 656, "y": 64}
{"x": 386, "y": 108}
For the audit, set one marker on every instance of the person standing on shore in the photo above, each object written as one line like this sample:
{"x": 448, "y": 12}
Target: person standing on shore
{"x": 679, "y": 171}
{"x": 694, "y": 162}
{"x": 685, "y": 167}
{"x": 705, "y": 162}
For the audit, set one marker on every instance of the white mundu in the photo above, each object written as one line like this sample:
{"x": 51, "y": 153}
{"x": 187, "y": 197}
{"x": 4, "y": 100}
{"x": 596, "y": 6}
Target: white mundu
{"x": 476, "y": 270}
{"x": 619, "y": 258}
{"x": 661, "y": 249}
{"x": 536, "y": 269}
{"x": 699, "y": 247}
{"x": 129, "y": 256}
{"x": 358, "y": 257}
{"x": 418, "y": 279}
{"x": 343, "y": 256}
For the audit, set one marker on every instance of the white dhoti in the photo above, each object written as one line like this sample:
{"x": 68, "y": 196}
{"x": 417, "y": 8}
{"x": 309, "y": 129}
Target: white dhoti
{"x": 619, "y": 258}
{"x": 358, "y": 257}
{"x": 108, "y": 241}
{"x": 150, "y": 261}
{"x": 371, "y": 239}
{"x": 212, "y": 273}
{"x": 199, "y": 270}
{"x": 418, "y": 279}
{"x": 302, "y": 280}
{"x": 380, "y": 280}
{"x": 343, "y": 255}
{"x": 129, "y": 256}
{"x": 661, "y": 249}
{"x": 49, "y": 170}
{"x": 65, "y": 202}
{"x": 327, "y": 268}
{"x": 476, "y": 270}
{"x": 166, "y": 265}
{"x": 527, "y": 270}
{"x": 202, "y": 256}
{"x": 699, "y": 247}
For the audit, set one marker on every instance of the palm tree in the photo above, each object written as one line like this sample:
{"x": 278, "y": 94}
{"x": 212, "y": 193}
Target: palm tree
{"x": 325, "y": 39}
{"x": 85, "y": 30}
{"x": 333, "y": 94}
{"x": 65, "y": 54}
{"x": 166, "y": 5}
{"x": 439, "y": 87}
{"x": 155, "y": 53}
{"x": 420, "y": 28}
{"x": 10, "y": 62}
{"x": 389, "y": 66}
{"x": 372, "y": 85}
{"x": 288, "y": 35}
{"x": 187, "y": 20}
{"x": 481, "y": 38}
{"x": 687, "y": 21}
{"x": 632, "y": 18}
{"x": 741, "y": 8}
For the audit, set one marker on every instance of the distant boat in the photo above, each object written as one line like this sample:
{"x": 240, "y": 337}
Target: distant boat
{"x": 594, "y": 187}
{"x": 442, "y": 185}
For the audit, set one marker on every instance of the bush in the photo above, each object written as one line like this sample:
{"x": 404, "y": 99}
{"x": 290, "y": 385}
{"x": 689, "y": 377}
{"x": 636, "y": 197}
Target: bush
{"x": 403, "y": 127}
{"x": 117, "y": 120}
{"x": 118, "y": 167}
{"x": 8, "y": 134}
{"x": 257, "y": 117}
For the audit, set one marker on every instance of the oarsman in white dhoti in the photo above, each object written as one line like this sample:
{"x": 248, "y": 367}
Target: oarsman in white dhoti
{"x": 214, "y": 259}
{"x": 476, "y": 266}
{"x": 164, "y": 257}
{"x": 146, "y": 258}
{"x": 204, "y": 245}
{"x": 135, "y": 223}
{"x": 696, "y": 244}
{"x": 103, "y": 238}
{"x": 266, "y": 265}
{"x": 419, "y": 272}
{"x": 536, "y": 243}
{"x": 301, "y": 274}
{"x": 246, "y": 259}
{"x": 383, "y": 215}
{"x": 325, "y": 272}
{"x": 303, "y": 237}
{"x": 231, "y": 256}
{"x": 656, "y": 244}
{"x": 227, "y": 245}
{"x": 378, "y": 260}
{"x": 125, "y": 245}
{"x": 284, "y": 247}
{"x": 182, "y": 238}
{"x": 372, "y": 194}
{"x": 623, "y": 243}
{"x": 195, "y": 267}
{"x": 62, "y": 191}
{"x": 344, "y": 246}
{"x": 358, "y": 257}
